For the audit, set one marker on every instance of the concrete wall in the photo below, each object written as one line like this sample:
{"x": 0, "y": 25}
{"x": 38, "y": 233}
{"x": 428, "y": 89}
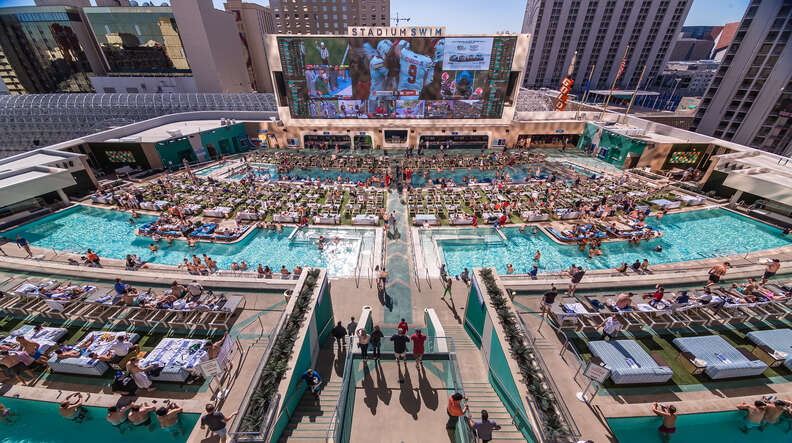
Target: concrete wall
{"x": 211, "y": 42}
{"x": 483, "y": 327}
{"x": 314, "y": 331}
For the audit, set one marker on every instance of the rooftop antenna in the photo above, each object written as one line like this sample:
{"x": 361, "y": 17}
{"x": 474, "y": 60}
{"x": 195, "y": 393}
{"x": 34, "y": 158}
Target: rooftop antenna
{"x": 398, "y": 19}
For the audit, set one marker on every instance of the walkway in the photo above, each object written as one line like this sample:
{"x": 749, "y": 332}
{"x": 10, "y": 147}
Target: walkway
{"x": 398, "y": 300}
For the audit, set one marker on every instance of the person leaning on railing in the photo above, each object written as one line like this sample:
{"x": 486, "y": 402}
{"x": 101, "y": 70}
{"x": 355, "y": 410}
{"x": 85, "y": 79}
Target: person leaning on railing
{"x": 455, "y": 410}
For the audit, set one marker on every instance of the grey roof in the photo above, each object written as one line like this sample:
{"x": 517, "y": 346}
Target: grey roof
{"x": 54, "y": 118}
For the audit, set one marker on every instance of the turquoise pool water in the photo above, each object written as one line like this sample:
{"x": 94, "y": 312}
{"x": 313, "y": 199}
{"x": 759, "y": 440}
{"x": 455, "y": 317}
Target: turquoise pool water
{"x": 687, "y": 236}
{"x": 721, "y": 427}
{"x": 40, "y": 422}
{"x": 419, "y": 178}
{"x": 209, "y": 169}
{"x": 110, "y": 234}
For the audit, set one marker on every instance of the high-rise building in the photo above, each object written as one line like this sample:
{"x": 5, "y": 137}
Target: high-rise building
{"x": 749, "y": 101}
{"x": 253, "y": 23}
{"x": 600, "y": 31}
{"x": 211, "y": 40}
{"x": 46, "y": 49}
{"x": 138, "y": 40}
{"x": 328, "y": 16}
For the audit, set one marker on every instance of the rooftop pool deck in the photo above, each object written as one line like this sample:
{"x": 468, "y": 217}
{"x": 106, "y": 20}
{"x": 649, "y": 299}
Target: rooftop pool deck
{"x": 691, "y": 235}
{"x": 110, "y": 234}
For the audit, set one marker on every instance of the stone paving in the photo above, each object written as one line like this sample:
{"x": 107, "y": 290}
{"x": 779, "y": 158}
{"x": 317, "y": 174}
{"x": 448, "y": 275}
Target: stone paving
{"x": 398, "y": 299}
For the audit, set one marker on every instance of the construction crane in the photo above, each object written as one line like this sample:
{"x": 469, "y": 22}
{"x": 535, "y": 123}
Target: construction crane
{"x": 398, "y": 19}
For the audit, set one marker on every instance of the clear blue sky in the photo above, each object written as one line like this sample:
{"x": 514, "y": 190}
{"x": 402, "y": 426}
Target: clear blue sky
{"x": 482, "y": 16}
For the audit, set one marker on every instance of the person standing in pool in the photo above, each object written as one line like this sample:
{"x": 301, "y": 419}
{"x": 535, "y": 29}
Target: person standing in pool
{"x": 169, "y": 416}
{"x": 139, "y": 413}
{"x": 669, "y": 415}
{"x": 756, "y": 413}
{"x": 72, "y": 407}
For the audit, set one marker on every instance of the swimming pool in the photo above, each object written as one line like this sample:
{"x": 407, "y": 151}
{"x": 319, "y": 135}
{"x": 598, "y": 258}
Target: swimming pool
{"x": 420, "y": 177}
{"x": 110, "y": 234}
{"x": 687, "y": 236}
{"x": 721, "y": 427}
{"x": 210, "y": 169}
{"x": 38, "y": 421}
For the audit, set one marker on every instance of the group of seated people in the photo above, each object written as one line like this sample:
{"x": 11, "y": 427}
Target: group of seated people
{"x": 750, "y": 292}
{"x": 179, "y": 297}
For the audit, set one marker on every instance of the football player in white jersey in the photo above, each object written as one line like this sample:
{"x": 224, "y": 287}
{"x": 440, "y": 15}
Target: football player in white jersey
{"x": 380, "y": 81}
{"x": 415, "y": 70}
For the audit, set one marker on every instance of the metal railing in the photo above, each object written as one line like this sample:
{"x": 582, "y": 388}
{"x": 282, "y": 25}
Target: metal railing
{"x": 266, "y": 424}
{"x": 413, "y": 258}
{"x": 335, "y": 427}
{"x": 459, "y": 386}
{"x": 559, "y": 403}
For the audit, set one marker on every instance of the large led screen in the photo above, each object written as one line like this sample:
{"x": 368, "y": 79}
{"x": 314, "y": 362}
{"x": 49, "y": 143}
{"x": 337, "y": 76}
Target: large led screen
{"x": 421, "y": 77}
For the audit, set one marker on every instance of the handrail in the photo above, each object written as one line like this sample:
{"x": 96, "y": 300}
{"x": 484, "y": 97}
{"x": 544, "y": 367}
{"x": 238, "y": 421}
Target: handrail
{"x": 428, "y": 280}
{"x": 414, "y": 259}
{"x": 517, "y": 408}
{"x": 285, "y": 408}
{"x": 256, "y": 376}
{"x": 459, "y": 386}
{"x": 548, "y": 379}
{"x": 339, "y": 413}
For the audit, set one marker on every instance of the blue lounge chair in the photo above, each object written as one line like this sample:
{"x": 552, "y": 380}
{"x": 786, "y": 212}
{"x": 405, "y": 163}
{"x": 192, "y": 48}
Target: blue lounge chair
{"x": 773, "y": 342}
{"x": 629, "y": 363}
{"x": 723, "y": 360}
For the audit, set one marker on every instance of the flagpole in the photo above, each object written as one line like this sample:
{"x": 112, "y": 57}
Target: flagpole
{"x": 586, "y": 92}
{"x": 613, "y": 85}
{"x": 634, "y": 93}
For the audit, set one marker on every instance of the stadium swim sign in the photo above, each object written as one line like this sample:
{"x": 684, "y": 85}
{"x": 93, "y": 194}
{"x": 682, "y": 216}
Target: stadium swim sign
{"x": 396, "y": 31}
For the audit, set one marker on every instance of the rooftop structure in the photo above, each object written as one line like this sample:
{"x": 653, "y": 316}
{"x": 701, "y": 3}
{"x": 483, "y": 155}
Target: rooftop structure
{"x": 38, "y": 173}
{"x": 747, "y": 101}
{"x": 30, "y": 121}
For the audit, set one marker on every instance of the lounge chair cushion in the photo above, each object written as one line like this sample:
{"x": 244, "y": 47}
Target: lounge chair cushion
{"x": 723, "y": 360}
{"x": 629, "y": 362}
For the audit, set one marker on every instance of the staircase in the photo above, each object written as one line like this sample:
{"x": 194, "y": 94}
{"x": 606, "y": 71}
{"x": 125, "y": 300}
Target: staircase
{"x": 311, "y": 419}
{"x": 462, "y": 342}
{"x": 480, "y": 393}
{"x": 482, "y": 396}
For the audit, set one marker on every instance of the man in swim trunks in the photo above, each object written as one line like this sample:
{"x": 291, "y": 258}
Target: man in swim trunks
{"x": 70, "y": 407}
{"x": 756, "y": 413}
{"x": 770, "y": 270}
{"x": 669, "y": 420}
{"x": 168, "y": 416}
{"x": 716, "y": 273}
{"x": 139, "y": 413}
{"x": 117, "y": 414}
{"x": 774, "y": 410}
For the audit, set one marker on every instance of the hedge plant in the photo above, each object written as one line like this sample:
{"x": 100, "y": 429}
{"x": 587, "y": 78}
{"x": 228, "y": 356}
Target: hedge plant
{"x": 281, "y": 353}
{"x": 533, "y": 377}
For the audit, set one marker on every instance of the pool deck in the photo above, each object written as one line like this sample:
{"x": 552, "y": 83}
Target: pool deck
{"x": 251, "y": 329}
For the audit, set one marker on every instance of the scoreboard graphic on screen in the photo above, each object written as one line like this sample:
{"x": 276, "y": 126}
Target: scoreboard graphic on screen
{"x": 413, "y": 77}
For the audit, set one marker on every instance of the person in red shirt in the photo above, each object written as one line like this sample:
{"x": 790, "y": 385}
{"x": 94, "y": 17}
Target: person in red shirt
{"x": 418, "y": 340}
{"x": 403, "y": 325}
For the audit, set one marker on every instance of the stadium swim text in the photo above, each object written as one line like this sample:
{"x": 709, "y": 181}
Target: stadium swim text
{"x": 395, "y": 31}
